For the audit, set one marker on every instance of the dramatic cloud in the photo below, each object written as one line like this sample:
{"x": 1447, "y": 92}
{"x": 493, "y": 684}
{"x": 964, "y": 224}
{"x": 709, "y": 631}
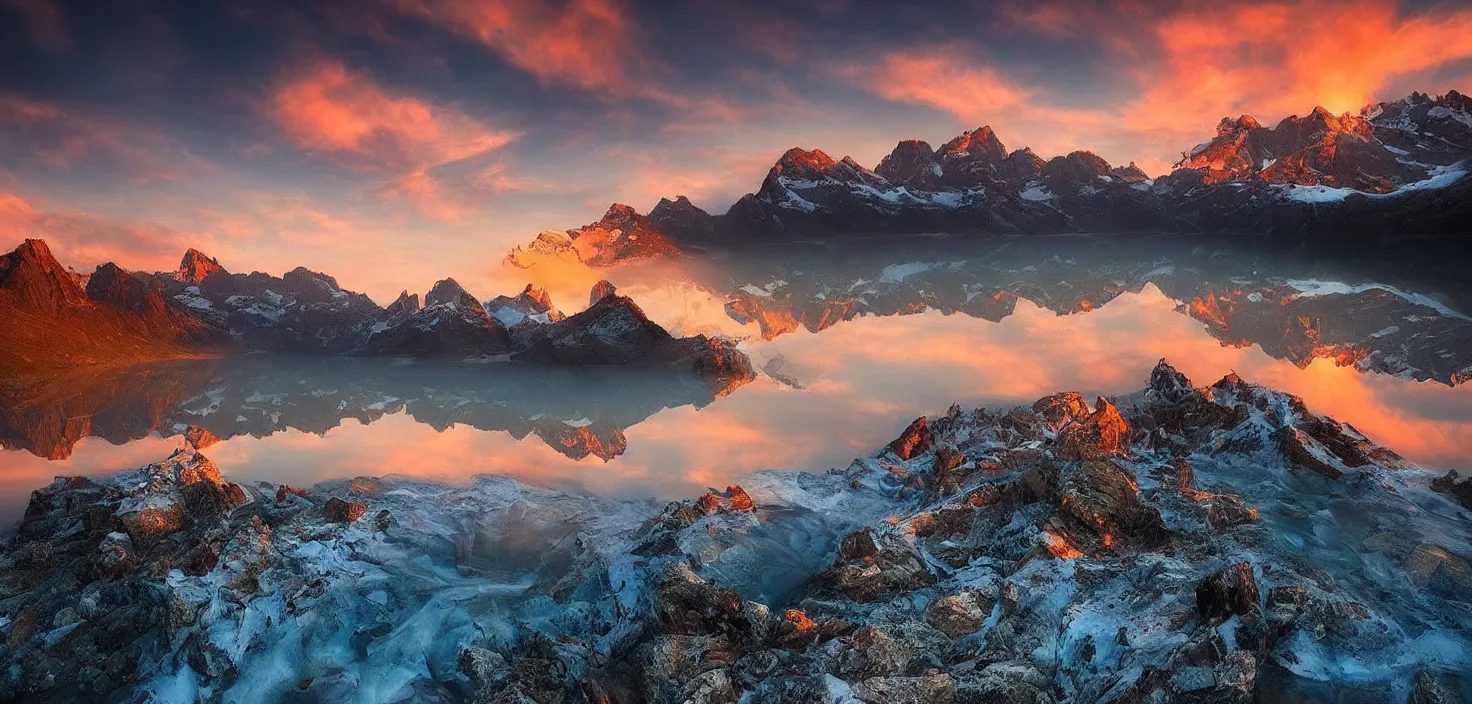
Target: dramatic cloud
{"x": 1189, "y": 69}
{"x": 977, "y": 94}
{"x": 582, "y": 43}
{"x": 1277, "y": 59}
{"x": 332, "y": 109}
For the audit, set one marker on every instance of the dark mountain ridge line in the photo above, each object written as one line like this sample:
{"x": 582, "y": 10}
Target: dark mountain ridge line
{"x": 1396, "y": 168}
{"x": 123, "y": 316}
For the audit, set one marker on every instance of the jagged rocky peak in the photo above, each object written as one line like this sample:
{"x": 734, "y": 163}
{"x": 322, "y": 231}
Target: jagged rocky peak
{"x": 680, "y": 205}
{"x": 538, "y": 296}
{"x": 1075, "y": 172}
{"x": 110, "y": 282}
{"x": 406, "y": 304}
{"x": 601, "y": 290}
{"x": 532, "y": 303}
{"x": 618, "y": 216}
{"x": 1430, "y": 130}
{"x": 1229, "y": 127}
{"x": 621, "y": 235}
{"x": 1130, "y": 174}
{"x": 311, "y": 285}
{"x": 196, "y": 266}
{"x": 1021, "y": 166}
{"x": 682, "y": 220}
{"x": 800, "y": 163}
{"x": 1320, "y": 148}
{"x": 977, "y": 145}
{"x": 1320, "y": 123}
{"x": 34, "y": 278}
{"x": 449, "y": 291}
{"x": 912, "y": 163}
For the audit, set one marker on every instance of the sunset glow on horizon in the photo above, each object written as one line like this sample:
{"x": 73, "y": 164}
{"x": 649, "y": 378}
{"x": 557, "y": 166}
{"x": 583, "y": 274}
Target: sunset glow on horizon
{"x": 398, "y": 142}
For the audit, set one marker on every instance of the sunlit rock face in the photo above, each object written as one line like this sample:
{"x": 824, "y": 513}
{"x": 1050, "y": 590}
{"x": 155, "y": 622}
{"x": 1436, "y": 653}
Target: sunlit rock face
{"x": 1319, "y": 149}
{"x": 1319, "y": 174}
{"x": 55, "y": 319}
{"x": 125, "y": 316}
{"x": 1194, "y": 557}
{"x": 196, "y": 266}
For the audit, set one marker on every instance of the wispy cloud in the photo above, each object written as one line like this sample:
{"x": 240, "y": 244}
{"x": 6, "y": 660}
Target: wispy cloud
{"x": 582, "y": 43}
{"x": 346, "y": 114}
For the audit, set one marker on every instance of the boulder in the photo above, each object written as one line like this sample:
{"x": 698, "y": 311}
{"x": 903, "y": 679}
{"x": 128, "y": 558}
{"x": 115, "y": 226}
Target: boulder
{"x": 1102, "y": 434}
{"x": 915, "y": 440}
{"x": 733, "y": 499}
{"x": 1230, "y": 592}
{"x": 340, "y": 511}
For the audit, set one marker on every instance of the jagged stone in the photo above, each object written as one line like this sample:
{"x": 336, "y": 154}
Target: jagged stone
{"x": 340, "y": 511}
{"x": 1232, "y": 591}
{"x": 915, "y": 440}
{"x": 733, "y": 499}
{"x": 600, "y": 291}
{"x": 1103, "y": 433}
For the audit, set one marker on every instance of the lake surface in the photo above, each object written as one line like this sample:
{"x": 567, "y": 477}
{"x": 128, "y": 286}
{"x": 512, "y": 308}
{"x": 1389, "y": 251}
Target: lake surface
{"x": 853, "y": 343}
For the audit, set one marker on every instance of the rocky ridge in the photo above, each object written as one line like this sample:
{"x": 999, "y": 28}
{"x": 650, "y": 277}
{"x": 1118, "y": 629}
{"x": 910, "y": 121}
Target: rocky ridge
{"x": 1394, "y": 169}
{"x": 54, "y": 322}
{"x": 1220, "y": 544}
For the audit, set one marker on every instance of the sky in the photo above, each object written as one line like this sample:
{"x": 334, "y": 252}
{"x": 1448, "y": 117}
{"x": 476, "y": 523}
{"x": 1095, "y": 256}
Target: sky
{"x": 392, "y": 143}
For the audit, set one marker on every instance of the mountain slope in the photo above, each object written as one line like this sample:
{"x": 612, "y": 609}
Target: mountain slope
{"x": 1375, "y": 173}
{"x": 49, "y": 321}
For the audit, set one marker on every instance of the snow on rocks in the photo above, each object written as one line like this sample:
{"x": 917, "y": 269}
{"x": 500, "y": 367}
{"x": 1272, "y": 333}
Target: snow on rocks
{"x": 1059, "y": 552}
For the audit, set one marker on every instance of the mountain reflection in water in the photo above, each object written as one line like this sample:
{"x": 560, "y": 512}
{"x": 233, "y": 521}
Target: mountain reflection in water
{"x": 855, "y": 345}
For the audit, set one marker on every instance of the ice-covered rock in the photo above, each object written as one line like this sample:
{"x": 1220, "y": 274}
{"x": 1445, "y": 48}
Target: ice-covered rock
{"x": 1040, "y": 578}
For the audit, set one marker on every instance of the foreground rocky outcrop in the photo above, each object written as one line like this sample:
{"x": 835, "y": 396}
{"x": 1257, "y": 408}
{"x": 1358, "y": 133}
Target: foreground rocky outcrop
{"x": 1179, "y": 544}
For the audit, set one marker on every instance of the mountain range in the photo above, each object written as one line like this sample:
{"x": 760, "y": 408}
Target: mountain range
{"x": 1396, "y": 168}
{"x": 55, "y": 318}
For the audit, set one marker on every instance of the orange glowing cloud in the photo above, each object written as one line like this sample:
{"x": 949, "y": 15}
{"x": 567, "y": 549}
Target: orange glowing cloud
{"x": 333, "y": 109}
{"x": 84, "y": 239}
{"x": 1276, "y": 59}
{"x": 1190, "y": 69}
{"x": 583, "y": 43}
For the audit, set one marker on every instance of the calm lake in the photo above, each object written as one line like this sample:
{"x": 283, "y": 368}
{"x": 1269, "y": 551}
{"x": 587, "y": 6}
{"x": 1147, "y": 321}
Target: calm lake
{"x": 851, "y": 342}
